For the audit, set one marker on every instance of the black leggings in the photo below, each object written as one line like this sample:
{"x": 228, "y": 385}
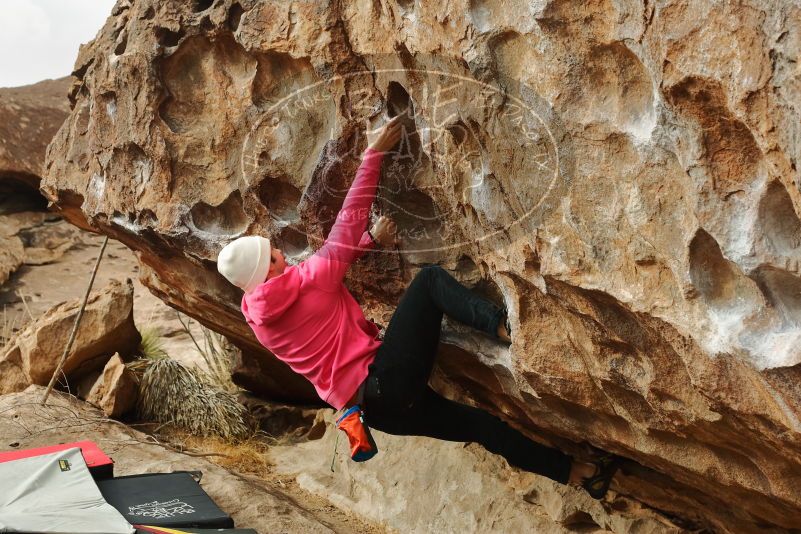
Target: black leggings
{"x": 398, "y": 399}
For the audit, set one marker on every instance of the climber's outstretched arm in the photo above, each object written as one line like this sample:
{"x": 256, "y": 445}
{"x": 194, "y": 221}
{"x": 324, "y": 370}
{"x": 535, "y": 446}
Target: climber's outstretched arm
{"x": 348, "y": 238}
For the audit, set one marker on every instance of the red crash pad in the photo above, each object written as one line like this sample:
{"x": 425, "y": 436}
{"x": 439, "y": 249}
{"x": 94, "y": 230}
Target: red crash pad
{"x": 100, "y": 465}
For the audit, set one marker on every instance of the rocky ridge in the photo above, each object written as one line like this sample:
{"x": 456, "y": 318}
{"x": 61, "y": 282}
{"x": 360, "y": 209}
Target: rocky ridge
{"x": 29, "y": 117}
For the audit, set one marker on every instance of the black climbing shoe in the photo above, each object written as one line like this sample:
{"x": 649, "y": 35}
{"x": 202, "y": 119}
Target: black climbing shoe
{"x": 606, "y": 465}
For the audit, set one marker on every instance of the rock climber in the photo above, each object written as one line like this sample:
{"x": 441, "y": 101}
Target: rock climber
{"x": 306, "y": 317}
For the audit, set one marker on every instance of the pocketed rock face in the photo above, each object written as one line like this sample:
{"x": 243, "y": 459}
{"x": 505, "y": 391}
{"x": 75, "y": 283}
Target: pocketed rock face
{"x": 639, "y": 217}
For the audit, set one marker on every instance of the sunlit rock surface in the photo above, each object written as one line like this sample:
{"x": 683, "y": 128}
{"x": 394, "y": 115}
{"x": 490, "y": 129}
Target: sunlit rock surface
{"x": 622, "y": 175}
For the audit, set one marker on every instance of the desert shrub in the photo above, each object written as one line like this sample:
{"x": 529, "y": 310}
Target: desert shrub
{"x": 172, "y": 393}
{"x": 218, "y": 354}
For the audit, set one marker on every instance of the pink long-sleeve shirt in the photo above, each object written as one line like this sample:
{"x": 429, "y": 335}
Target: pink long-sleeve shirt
{"x": 308, "y": 318}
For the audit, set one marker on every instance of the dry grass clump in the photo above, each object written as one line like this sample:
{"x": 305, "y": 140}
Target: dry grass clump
{"x": 14, "y": 324}
{"x": 9, "y": 328}
{"x": 246, "y": 456}
{"x": 151, "y": 346}
{"x": 172, "y": 393}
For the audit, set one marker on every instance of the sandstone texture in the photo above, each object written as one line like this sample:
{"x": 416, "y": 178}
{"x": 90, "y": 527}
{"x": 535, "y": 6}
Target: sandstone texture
{"x": 42, "y": 236}
{"x": 106, "y": 328}
{"x": 12, "y": 254}
{"x": 266, "y": 506}
{"x": 424, "y": 485}
{"x": 29, "y": 117}
{"x": 32, "y": 238}
{"x": 115, "y": 390}
{"x": 58, "y": 258}
{"x": 622, "y": 175}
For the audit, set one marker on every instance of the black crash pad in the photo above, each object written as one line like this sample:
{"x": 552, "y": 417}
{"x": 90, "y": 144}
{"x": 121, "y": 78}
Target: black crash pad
{"x": 163, "y": 500}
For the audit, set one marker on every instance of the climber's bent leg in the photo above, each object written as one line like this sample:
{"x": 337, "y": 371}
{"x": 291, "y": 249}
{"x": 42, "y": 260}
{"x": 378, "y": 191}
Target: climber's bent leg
{"x": 437, "y": 417}
{"x": 406, "y": 356}
{"x": 458, "y": 302}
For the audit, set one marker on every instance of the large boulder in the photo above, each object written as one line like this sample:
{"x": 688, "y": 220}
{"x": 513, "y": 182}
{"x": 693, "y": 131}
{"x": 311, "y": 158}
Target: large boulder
{"x": 12, "y": 247}
{"x": 33, "y": 238}
{"x": 107, "y": 327}
{"x": 624, "y": 176}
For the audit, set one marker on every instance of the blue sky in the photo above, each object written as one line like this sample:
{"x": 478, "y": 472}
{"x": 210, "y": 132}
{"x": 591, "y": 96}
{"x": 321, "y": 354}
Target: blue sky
{"x": 39, "y": 39}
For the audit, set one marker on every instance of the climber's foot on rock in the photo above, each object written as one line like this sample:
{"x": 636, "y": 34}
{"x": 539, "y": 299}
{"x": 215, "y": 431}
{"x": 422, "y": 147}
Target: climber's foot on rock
{"x": 597, "y": 483}
{"x": 579, "y": 472}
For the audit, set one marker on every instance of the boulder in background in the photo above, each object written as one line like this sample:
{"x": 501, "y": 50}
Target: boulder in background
{"x": 106, "y": 327}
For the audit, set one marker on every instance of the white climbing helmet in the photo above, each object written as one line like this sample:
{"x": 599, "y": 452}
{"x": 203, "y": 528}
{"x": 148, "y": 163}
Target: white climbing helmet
{"x": 245, "y": 261}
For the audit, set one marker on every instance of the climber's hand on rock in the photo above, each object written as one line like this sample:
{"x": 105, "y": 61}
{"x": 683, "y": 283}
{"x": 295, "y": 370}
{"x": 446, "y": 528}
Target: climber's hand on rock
{"x": 385, "y": 232}
{"x": 385, "y": 137}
